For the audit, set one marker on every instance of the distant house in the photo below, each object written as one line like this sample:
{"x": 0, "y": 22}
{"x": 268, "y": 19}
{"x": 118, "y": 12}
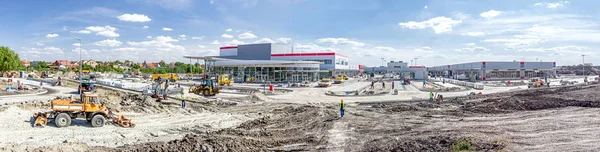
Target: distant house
{"x": 128, "y": 63}
{"x": 74, "y": 64}
{"x": 172, "y": 64}
{"x": 26, "y": 63}
{"x": 61, "y": 62}
{"x": 92, "y": 63}
{"x": 152, "y": 65}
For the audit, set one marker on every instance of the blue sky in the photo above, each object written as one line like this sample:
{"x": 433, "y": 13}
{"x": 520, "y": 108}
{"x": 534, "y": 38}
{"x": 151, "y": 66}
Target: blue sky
{"x": 437, "y": 32}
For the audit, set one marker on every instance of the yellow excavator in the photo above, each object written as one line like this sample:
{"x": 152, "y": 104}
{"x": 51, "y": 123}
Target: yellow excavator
{"x": 207, "y": 88}
{"x": 89, "y": 108}
{"x": 224, "y": 80}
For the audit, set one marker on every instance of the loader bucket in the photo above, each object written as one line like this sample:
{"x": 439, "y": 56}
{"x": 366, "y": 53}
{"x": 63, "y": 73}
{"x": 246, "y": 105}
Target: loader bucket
{"x": 124, "y": 122}
{"x": 40, "y": 119}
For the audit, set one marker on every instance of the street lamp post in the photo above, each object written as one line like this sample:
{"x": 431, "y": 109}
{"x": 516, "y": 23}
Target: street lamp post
{"x": 80, "y": 66}
{"x": 382, "y": 62}
{"x": 416, "y": 61}
{"x": 583, "y": 64}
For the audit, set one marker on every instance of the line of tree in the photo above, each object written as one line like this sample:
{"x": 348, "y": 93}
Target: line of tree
{"x": 9, "y": 60}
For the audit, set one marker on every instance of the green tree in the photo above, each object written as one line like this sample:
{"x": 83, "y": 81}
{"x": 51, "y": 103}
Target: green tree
{"x": 135, "y": 66}
{"x": 9, "y": 60}
{"x": 40, "y": 66}
{"x": 117, "y": 62}
{"x": 162, "y": 63}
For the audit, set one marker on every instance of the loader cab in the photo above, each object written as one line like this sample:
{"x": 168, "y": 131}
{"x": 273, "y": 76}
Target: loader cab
{"x": 91, "y": 102}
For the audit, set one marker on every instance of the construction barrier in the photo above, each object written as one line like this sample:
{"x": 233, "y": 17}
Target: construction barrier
{"x": 466, "y": 84}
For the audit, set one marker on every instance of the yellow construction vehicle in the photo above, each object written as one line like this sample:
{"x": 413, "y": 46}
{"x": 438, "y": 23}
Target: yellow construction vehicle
{"x": 224, "y": 80}
{"x": 207, "y": 88}
{"x": 89, "y": 107}
{"x": 171, "y": 76}
{"x": 340, "y": 79}
{"x": 325, "y": 82}
{"x": 535, "y": 82}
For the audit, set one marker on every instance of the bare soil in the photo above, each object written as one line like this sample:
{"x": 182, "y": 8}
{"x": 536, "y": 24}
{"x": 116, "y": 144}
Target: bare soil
{"x": 544, "y": 119}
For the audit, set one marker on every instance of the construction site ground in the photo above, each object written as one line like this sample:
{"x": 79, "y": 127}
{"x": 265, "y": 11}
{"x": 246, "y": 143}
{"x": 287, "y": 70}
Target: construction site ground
{"x": 561, "y": 118}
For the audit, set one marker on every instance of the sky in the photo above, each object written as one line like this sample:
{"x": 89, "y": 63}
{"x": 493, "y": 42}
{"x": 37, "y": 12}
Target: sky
{"x": 434, "y": 32}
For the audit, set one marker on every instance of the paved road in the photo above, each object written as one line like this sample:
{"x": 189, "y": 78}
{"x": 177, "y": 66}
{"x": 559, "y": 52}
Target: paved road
{"x": 53, "y": 91}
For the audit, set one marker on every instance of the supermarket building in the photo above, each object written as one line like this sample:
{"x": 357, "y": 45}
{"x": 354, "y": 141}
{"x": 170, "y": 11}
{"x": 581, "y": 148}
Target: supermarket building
{"x": 277, "y": 63}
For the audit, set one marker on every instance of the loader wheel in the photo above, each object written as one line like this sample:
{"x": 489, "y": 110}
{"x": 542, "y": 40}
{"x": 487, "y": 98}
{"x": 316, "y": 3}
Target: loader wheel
{"x": 97, "y": 121}
{"x": 62, "y": 120}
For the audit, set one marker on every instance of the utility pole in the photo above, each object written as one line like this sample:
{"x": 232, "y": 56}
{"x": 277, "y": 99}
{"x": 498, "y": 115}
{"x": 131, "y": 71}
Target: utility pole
{"x": 583, "y": 64}
{"x": 80, "y": 67}
{"x": 382, "y": 62}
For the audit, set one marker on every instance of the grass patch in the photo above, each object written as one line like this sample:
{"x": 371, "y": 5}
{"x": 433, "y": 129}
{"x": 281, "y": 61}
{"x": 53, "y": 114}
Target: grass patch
{"x": 462, "y": 146}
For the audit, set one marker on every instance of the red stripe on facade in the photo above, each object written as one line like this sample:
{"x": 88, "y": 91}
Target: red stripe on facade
{"x": 311, "y": 54}
{"x": 229, "y": 47}
{"x": 483, "y": 63}
{"x": 522, "y": 62}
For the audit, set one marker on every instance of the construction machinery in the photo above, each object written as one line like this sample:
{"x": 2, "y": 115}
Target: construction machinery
{"x": 535, "y": 83}
{"x": 88, "y": 107}
{"x": 159, "y": 88}
{"x": 206, "y": 88}
{"x": 224, "y": 80}
{"x": 340, "y": 79}
{"x": 325, "y": 82}
{"x": 170, "y": 76}
{"x": 86, "y": 86}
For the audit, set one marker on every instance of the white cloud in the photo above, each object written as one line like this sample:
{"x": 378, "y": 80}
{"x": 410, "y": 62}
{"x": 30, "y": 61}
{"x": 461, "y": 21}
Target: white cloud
{"x": 310, "y": 47}
{"x": 490, "y": 14}
{"x": 145, "y": 27}
{"x": 182, "y": 37}
{"x": 40, "y": 44}
{"x": 76, "y": 44}
{"x": 439, "y": 24}
{"x": 376, "y": 51}
{"x": 426, "y": 48}
{"x": 197, "y": 38}
{"x": 555, "y": 49}
{"x": 109, "y": 43}
{"x": 226, "y": 36}
{"x": 53, "y": 35}
{"x": 284, "y": 40}
{"x": 167, "y": 29}
{"x": 106, "y": 31}
{"x": 234, "y": 42}
{"x": 246, "y": 35}
{"x": 228, "y": 30}
{"x": 108, "y": 34}
{"x": 425, "y": 7}
{"x": 471, "y": 44}
{"x": 340, "y": 41}
{"x": 264, "y": 40}
{"x": 130, "y": 49}
{"x": 517, "y": 42}
{"x": 201, "y": 46}
{"x": 134, "y": 18}
{"x": 461, "y": 15}
{"x": 37, "y": 51}
{"x": 473, "y": 34}
{"x": 82, "y": 32}
{"x": 551, "y": 5}
{"x": 216, "y": 42}
{"x": 148, "y": 37}
{"x": 65, "y": 28}
{"x": 162, "y": 43}
{"x": 472, "y": 49}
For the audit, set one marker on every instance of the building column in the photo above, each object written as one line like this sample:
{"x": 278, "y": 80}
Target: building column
{"x": 522, "y": 74}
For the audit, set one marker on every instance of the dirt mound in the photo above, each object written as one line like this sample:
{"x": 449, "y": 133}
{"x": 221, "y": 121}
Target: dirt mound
{"x": 435, "y": 143}
{"x": 516, "y": 103}
{"x": 289, "y": 128}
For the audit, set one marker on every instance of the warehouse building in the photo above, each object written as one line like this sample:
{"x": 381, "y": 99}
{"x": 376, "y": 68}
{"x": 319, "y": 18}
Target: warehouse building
{"x": 401, "y": 69}
{"x": 495, "y": 70}
{"x": 277, "y": 63}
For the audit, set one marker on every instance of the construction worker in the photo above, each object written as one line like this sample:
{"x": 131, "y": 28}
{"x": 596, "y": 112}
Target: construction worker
{"x": 372, "y": 84}
{"x": 424, "y": 83}
{"x": 182, "y": 99}
{"x": 392, "y": 85}
{"x": 430, "y": 96}
{"x": 382, "y": 85}
{"x": 342, "y": 108}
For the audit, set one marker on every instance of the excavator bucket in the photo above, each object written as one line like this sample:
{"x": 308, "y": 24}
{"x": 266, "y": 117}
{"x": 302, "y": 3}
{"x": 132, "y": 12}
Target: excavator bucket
{"x": 40, "y": 119}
